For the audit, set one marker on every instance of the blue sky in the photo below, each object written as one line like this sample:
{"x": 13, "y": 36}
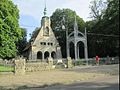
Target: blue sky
{"x": 31, "y": 11}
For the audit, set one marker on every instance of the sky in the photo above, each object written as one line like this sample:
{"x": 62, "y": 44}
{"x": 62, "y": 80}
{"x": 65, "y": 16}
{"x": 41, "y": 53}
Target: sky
{"x": 31, "y": 11}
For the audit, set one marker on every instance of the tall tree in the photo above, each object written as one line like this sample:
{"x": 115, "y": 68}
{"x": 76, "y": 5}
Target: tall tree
{"x": 69, "y": 15}
{"x": 111, "y": 17}
{"x": 10, "y": 32}
{"x": 98, "y": 8}
{"x": 105, "y": 40}
{"x": 21, "y": 44}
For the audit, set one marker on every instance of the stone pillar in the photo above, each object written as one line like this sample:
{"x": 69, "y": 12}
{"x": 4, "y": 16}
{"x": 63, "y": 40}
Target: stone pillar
{"x": 86, "y": 55}
{"x": 69, "y": 62}
{"x": 42, "y": 56}
{"x": 19, "y": 66}
{"x": 50, "y": 62}
{"x": 50, "y": 55}
{"x": 68, "y": 50}
{"x": 75, "y": 51}
{"x": 86, "y": 50}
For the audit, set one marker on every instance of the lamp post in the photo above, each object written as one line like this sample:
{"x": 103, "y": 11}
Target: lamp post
{"x": 64, "y": 27}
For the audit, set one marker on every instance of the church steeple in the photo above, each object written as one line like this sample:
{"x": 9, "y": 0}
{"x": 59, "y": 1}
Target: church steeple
{"x": 45, "y": 19}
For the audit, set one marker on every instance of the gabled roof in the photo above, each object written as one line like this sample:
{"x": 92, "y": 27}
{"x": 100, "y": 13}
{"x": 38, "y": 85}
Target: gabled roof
{"x": 34, "y": 35}
{"x": 27, "y": 47}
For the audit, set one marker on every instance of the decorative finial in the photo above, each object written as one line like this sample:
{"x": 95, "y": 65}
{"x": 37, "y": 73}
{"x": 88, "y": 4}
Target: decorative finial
{"x": 75, "y": 20}
{"x": 45, "y": 9}
{"x": 75, "y": 25}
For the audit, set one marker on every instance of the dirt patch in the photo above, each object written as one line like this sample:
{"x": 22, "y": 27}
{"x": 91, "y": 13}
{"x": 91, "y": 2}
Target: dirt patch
{"x": 46, "y": 78}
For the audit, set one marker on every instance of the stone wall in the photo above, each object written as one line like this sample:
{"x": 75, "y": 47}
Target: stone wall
{"x": 21, "y": 66}
{"x": 32, "y": 67}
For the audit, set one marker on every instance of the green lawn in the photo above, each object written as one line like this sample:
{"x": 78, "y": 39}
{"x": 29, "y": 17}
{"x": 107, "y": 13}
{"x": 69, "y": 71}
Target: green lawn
{"x": 6, "y": 68}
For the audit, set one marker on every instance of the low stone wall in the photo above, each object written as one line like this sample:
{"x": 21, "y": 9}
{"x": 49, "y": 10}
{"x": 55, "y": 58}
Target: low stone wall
{"x": 21, "y": 66}
{"x": 32, "y": 67}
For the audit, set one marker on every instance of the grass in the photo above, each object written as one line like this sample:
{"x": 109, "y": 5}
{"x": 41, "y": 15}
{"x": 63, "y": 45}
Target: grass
{"x": 6, "y": 68}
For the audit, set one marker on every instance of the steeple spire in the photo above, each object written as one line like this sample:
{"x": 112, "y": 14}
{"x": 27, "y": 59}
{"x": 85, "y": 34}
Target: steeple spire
{"x": 45, "y": 10}
{"x": 75, "y": 25}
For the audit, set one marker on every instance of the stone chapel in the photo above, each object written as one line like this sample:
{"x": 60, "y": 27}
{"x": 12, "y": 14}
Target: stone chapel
{"x": 43, "y": 42}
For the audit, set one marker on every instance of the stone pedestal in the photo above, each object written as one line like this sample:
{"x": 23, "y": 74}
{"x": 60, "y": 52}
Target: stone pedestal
{"x": 20, "y": 67}
{"x": 69, "y": 62}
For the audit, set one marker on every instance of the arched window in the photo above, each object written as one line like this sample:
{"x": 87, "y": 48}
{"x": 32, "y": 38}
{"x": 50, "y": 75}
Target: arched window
{"x": 39, "y": 55}
{"x": 72, "y": 50}
{"x": 80, "y": 49}
{"x": 46, "y": 55}
{"x": 53, "y": 55}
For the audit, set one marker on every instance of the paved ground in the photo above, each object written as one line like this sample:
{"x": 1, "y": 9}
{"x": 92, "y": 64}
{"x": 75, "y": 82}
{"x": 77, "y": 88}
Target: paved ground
{"x": 104, "y": 77}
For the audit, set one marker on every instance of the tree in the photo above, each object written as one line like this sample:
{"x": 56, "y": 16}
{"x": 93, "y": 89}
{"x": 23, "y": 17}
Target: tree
{"x": 10, "y": 32}
{"x": 111, "y": 25}
{"x": 111, "y": 17}
{"x": 56, "y": 23}
{"x": 69, "y": 15}
{"x": 105, "y": 38}
{"x": 98, "y": 8}
{"x": 21, "y": 44}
